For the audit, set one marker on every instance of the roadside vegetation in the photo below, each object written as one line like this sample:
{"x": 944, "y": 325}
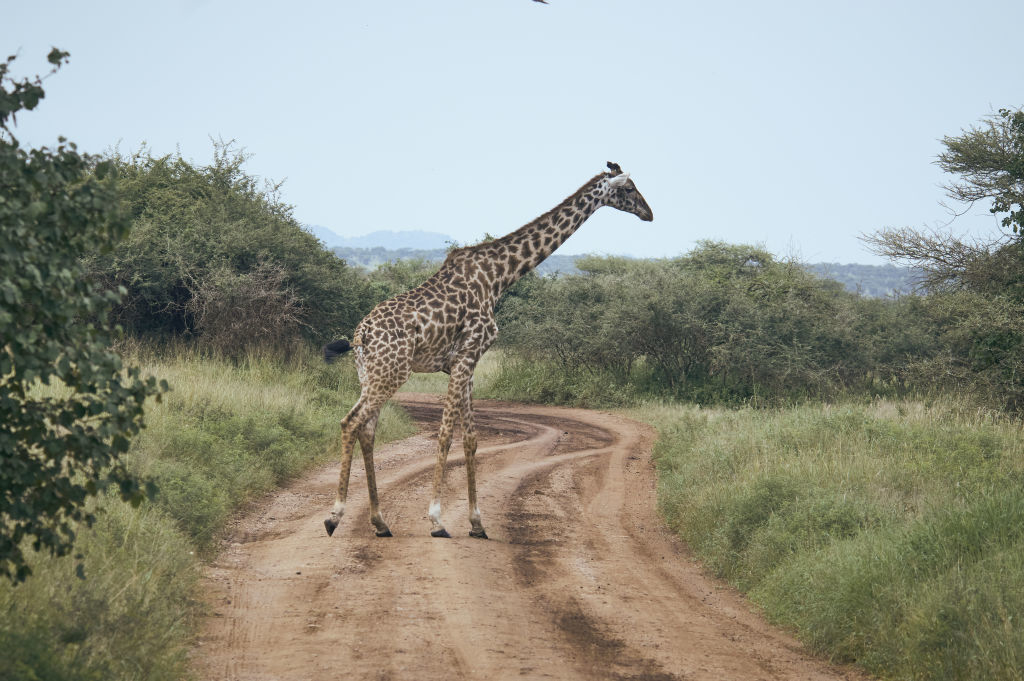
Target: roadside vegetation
{"x": 885, "y": 533}
{"x": 731, "y": 324}
{"x": 227, "y": 433}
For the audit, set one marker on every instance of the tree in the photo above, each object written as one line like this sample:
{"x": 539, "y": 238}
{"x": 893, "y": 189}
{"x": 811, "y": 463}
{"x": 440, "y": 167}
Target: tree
{"x": 978, "y": 285}
{"x": 68, "y": 407}
{"x": 989, "y": 160}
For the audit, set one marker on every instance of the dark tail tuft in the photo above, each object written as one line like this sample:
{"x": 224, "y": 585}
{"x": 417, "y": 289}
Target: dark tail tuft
{"x": 336, "y": 349}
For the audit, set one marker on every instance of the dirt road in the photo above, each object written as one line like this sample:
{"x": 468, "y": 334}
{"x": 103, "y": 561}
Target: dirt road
{"x": 578, "y": 581}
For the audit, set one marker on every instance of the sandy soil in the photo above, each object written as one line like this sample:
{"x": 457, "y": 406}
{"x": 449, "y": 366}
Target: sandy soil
{"x": 579, "y": 579}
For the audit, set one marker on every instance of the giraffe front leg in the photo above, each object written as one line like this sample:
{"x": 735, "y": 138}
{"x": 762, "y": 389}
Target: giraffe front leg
{"x": 469, "y": 448}
{"x": 444, "y": 441}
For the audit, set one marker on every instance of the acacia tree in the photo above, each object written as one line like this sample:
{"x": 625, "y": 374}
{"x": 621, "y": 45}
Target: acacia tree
{"x": 988, "y": 160}
{"x": 59, "y": 445}
{"x": 977, "y": 312}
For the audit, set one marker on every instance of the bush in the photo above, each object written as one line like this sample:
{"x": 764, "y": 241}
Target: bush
{"x": 57, "y": 450}
{"x": 206, "y": 240}
{"x": 722, "y": 324}
{"x": 238, "y": 311}
{"x": 978, "y": 348}
{"x": 399, "y": 276}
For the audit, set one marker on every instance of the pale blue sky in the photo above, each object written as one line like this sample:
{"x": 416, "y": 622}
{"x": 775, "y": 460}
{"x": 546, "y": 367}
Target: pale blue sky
{"x": 798, "y": 125}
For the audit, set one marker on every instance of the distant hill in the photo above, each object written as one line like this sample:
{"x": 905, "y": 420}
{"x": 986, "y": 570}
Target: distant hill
{"x": 370, "y": 258}
{"x": 407, "y": 239}
{"x": 873, "y": 281}
{"x": 373, "y": 257}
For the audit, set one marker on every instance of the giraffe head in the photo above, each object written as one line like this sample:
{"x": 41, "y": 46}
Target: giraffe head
{"x": 621, "y": 193}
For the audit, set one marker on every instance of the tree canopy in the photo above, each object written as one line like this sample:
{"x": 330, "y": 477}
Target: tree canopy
{"x": 213, "y": 254}
{"x": 68, "y": 406}
{"x": 988, "y": 160}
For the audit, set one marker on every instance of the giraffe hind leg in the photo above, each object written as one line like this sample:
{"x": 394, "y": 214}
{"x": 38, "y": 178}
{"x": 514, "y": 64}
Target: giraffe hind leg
{"x": 348, "y": 427}
{"x": 366, "y": 435}
{"x": 352, "y": 427}
{"x": 379, "y": 382}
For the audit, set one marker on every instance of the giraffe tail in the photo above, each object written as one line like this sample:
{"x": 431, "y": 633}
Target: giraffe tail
{"x": 336, "y": 349}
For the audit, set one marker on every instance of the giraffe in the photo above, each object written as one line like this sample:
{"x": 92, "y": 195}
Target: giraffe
{"x": 446, "y": 324}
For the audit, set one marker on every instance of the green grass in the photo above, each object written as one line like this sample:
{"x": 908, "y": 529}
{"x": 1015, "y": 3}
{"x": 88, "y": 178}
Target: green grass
{"x": 889, "y": 534}
{"x": 227, "y": 434}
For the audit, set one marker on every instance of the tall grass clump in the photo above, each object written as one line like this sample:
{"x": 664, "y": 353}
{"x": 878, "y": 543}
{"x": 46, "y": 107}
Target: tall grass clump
{"x": 888, "y": 534}
{"x": 231, "y": 431}
{"x": 130, "y": 618}
{"x": 226, "y": 434}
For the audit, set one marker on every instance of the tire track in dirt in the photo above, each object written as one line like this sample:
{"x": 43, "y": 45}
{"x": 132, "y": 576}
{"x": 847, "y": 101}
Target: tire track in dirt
{"x": 578, "y": 581}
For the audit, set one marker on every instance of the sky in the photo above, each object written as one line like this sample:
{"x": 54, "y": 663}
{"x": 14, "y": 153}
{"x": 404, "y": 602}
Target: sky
{"x": 798, "y": 126}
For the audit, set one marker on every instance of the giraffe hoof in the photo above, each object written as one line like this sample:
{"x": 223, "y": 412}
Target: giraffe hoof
{"x": 384, "y": 533}
{"x": 478, "y": 534}
{"x": 443, "y": 533}
{"x": 331, "y": 525}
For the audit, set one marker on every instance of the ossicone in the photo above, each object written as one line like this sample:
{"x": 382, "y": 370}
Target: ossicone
{"x": 614, "y": 167}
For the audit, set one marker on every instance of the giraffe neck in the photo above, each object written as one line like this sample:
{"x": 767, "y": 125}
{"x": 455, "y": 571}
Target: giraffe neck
{"x": 528, "y": 246}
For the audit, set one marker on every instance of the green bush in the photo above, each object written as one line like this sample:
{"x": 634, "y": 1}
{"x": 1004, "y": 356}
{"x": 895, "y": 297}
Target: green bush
{"x": 399, "y": 276}
{"x": 58, "y": 450}
{"x": 979, "y": 348}
{"x": 214, "y": 255}
{"x": 732, "y": 325}
{"x": 723, "y": 324}
{"x": 520, "y": 379}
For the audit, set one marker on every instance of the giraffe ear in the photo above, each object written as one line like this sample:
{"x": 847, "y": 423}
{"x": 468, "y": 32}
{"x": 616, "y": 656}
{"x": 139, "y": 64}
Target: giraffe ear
{"x": 618, "y": 180}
